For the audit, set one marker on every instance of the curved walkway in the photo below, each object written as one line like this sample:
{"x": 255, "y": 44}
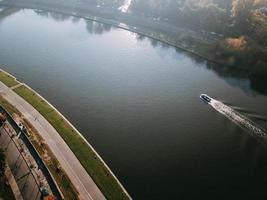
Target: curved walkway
{"x": 86, "y": 187}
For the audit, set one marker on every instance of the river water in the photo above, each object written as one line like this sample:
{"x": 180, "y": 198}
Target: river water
{"x": 137, "y": 102}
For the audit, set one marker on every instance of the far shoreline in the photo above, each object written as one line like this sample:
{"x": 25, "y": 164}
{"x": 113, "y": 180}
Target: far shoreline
{"x": 114, "y": 23}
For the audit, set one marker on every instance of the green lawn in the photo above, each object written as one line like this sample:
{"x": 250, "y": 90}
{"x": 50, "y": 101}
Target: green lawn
{"x": 7, "y": 79}
{"x": 105, "y": 181}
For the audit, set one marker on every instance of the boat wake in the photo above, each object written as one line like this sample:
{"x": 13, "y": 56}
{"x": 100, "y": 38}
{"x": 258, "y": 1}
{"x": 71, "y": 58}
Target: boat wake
{"x": 237, "y": 118}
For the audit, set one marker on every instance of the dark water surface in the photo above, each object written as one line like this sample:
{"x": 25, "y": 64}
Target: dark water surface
{"x": 137, "y": 102}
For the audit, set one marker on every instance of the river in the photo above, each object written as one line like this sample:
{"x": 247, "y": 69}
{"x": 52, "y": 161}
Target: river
{"x": 137, "y": 102}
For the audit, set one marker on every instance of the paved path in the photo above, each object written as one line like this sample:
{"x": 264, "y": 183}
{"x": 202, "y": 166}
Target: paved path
{"x": 75, "y": 171}
{"x": 16, "y": 86}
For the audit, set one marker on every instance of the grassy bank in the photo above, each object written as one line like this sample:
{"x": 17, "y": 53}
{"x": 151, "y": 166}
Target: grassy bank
{"x": 46, "y": 154}
{"x": 90, "y": 161}
{"x": 7, "y": 79}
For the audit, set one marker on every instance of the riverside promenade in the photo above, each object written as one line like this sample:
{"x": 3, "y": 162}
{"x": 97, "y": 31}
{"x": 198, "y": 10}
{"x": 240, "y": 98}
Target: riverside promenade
{"x": 86, "y": 187}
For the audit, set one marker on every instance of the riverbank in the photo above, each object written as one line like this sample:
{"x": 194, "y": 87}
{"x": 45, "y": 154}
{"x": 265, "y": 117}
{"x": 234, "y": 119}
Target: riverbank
{"x": 59, "y": 175}
{"x": 91, "y": 161}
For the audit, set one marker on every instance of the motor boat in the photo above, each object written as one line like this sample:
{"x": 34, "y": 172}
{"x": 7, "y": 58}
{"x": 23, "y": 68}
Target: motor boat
{"x": 205, "y": 98}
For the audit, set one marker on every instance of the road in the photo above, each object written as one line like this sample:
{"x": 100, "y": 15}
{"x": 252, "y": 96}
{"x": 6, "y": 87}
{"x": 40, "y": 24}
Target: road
{"x": 86, "y": 187}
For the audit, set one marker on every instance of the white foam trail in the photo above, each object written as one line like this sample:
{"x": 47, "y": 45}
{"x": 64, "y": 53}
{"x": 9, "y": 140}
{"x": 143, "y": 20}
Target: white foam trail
{"x": 237, "y": 118}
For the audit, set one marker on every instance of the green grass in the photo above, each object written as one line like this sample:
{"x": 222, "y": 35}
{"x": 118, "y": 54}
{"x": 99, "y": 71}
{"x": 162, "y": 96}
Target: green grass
{"x": 93, "y": 165}
{"x": 7, "y": 79}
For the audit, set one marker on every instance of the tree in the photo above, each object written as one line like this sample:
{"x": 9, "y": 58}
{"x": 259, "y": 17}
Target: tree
{"x": 249, "y": 17}
{"x": 2, "y": 162}
{"x": 241, "y": 13}
{"x": 259, "y": 26}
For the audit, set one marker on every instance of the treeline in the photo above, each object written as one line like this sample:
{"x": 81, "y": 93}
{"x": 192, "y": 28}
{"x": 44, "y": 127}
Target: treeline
{"x": 230, "y": 18}
{"x": 246, "y": 45}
